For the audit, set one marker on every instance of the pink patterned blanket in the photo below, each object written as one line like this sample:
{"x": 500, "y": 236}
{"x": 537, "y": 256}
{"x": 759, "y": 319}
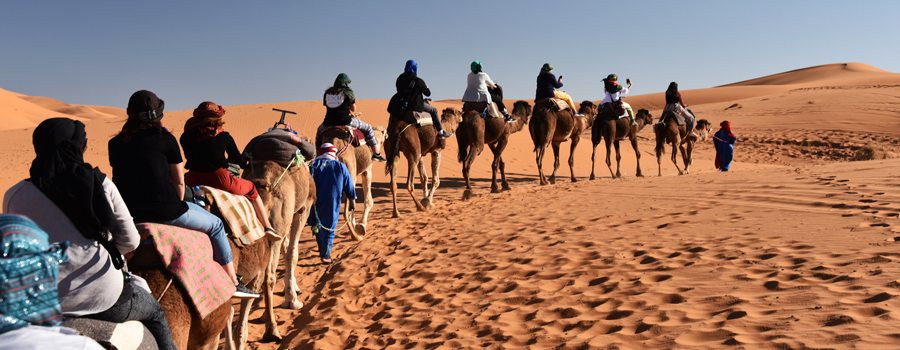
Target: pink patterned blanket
{"x": 188, "y": 255}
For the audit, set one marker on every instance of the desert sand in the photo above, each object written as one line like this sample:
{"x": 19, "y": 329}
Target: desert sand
{"x": 794, "y": 248}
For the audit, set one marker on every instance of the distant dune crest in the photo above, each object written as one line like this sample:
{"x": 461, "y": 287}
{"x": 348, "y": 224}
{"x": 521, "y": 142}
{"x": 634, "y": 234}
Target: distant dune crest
{"x": 826, "y": 72}
{"x": 21, "y": 111}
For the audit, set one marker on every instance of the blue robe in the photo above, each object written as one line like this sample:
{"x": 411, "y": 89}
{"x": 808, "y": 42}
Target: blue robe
{"x": 724, "y": 149}
{"x": 333, "y": 181}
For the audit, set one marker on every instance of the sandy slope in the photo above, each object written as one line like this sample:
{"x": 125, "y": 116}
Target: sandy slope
{"x": 793, "y": 249}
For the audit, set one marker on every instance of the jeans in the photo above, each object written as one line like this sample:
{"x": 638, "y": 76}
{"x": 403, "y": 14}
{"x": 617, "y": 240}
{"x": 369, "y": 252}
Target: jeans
{"x": 144, "y": 308}
{"x": 198, "y": 219}
{"x": 434, "y": 117}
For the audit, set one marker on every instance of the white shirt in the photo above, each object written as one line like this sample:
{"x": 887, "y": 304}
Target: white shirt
{"x": 614, "y": 97}
{"x": 476, "y": 88}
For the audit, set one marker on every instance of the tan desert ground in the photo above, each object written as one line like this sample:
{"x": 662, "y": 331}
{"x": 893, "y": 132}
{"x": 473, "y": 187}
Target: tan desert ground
{"x": 795, "y": 248}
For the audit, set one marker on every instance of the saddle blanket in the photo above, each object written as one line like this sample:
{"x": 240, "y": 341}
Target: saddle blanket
{"x": 238, "y": 215}
{"x": 187, "y": 254}
{"x": 491, "y": 109}
{"x": 423, "y": 118}
{"x": 560, "y": 104}
{"x": 623, "y": 115}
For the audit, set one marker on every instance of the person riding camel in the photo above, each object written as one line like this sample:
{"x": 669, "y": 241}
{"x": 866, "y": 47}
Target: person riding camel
{"x": 547, "y": 85}
{"x": 412, "y": 88}
{"x": 613, "y": 92}
{"x": 477, "y": 85}
{"x": 205, "y": 145}
{"x": 675, "y": 105}
{"x": 148, "y": 170}
{"x": 341, "y": 106}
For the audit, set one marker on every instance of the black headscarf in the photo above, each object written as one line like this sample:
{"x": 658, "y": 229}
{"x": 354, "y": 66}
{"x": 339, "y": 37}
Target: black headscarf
{"x": 76, "y": 187}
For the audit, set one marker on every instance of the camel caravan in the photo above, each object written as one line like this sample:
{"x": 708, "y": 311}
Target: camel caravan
{"x": 180, "y": 237}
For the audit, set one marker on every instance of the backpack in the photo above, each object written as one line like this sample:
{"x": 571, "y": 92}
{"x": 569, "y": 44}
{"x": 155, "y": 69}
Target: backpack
{"x": 400, "y": 101}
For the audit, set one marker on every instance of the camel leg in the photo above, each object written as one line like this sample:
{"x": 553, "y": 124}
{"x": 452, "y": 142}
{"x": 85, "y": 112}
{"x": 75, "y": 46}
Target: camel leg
{"x": 575, "y": 139}
{"x": 675, "y": 143}
{"x": 227, "y": 333}
{"x": 618, "y": 159}
{"x": 539, "y": 158}
{"x": 272, "y": 333}
{"x": 396, "y": 163}
{"x": 428, "y": 201}
{"x": 423, "y": 178}
{"x": 593, "y": 161}
{"x": 243, "y": 318}
{"x": 689, "y": 157}
{"x": 290, "y": 263}
{"x": 637, "y": 155}
{"x": 467, "y": 166}
{"x": 659, "y": 158}
{"x": 413, "y": 163}
{"x": 555, "y": 146}
{"x": 609, "y": 147}
{"x": 684, "y": 157}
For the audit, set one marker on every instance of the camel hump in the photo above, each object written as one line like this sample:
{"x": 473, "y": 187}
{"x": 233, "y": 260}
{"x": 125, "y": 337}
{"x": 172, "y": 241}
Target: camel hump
{"x": 347, "y": 133}
{"x": 112, "y": 335}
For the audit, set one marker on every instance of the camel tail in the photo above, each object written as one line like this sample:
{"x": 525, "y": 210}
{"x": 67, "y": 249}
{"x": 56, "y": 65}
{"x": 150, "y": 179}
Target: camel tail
{"x": 660, "y": 141}
{"x": 540, "y": 131}
{"x": 393, "y": 151}
{"x": 462, "y": 141}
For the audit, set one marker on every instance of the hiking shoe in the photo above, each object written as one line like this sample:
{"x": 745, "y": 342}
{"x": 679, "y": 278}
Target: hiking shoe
{"x": 242, "y": 292}
{"x": 445, "y": 135}
{"x": 271, "y": 235}
{"x": 378, "y": 157}
{"x": 510, "y": 119}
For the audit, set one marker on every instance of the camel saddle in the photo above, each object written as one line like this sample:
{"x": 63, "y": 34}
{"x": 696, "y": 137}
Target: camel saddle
{"x": 352, "y": 135}
{"x": 558, "y": 104}
{"x": 238, "y": 215}
{"x": 492, "y": 110}
{"x": 619, "y": 110}
{"x": 417, "y": 118}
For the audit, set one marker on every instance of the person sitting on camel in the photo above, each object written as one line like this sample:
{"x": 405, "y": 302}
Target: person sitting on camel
{"x": 206, "y": 145}
{"x": 675, "y": 105}
{"x": 413, "y": 88}
{"x": 613, "y": 92}
{"x": 547, "y": 85}
{"x": 341, "y": 104}
{"x": 477, "y": 85}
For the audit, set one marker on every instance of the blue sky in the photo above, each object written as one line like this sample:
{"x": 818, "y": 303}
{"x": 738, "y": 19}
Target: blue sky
{"x": 246, "y": 52}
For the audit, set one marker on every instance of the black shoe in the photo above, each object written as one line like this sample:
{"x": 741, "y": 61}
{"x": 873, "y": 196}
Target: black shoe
{"x": 510, "y": 119}
{"x": 378, "y": 157}
{"x": 445, "y": 135}
{"x": 242, "y": 292}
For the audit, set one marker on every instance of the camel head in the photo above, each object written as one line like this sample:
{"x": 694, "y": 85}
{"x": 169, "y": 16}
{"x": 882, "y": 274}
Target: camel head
{"x": 450, "y": 119}
{"x": 704, "y": 127}
{"x": 522, "y": 110}
{"x": 589, "y": 110}
{"x": 645, "y": 116}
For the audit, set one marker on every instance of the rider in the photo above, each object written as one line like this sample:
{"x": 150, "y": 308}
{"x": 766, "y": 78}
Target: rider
{"x": 205, "y": 145}
{"x": 341, "y": 104}
{"x": 613, "y": 92}
{"x": 75, "y": 202}
{"x": 547, "y": 83}
{"x": 333, "y": 181}
{"x": 412, "y": 87}
{"x": 149, "y": 172}
{"x": 674, "y": 104}
{"x": 477, "y": 86}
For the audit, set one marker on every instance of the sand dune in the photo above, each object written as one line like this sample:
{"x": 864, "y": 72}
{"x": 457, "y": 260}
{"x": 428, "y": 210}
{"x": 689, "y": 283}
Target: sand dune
{"x": 795, "y": 248}
{"x": 21, "y": 111}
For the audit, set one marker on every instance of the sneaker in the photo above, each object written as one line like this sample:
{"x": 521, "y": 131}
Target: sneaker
{"x": 242, "y": 292}
{"x": 445, "y": 135}
{"x": 633, "y": 122}
{"x": 271, "y": 235}
{"x": 510, "y": 119}
{"x": 579, "y": 114}
{"x": 378, "y": 157}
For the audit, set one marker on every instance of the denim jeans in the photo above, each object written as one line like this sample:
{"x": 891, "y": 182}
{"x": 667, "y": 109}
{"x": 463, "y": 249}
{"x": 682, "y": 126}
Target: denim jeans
{"x": 198, "y": 219}
{"x": 144, "y": 308}
{"x": 434, "y": 117}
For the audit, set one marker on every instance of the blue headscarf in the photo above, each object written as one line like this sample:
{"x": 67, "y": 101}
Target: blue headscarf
{"x": 411, "y": 66}
{"x": 29, "y": 268}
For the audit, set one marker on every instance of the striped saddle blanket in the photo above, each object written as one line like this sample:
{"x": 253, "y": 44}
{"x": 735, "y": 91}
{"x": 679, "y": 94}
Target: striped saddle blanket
{"x": 238, "y": 215}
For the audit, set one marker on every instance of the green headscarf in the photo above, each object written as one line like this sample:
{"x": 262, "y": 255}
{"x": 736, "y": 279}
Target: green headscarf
{"x": 546, "y": 68}
{"x": 342, "y": 82}
{"x": 475, "y": 66}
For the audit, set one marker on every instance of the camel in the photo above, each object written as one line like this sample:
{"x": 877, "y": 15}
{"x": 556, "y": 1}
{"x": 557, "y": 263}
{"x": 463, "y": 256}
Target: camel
{"x": 474, "y": 132}
{"x": 613, "y": 130}
{"x": 289, "y": 203}
{"x": 415, "y": 142}
{"x": 671, "y": 132}
{"x": 553, "y": 127}
{"x": 359, "y": 163}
